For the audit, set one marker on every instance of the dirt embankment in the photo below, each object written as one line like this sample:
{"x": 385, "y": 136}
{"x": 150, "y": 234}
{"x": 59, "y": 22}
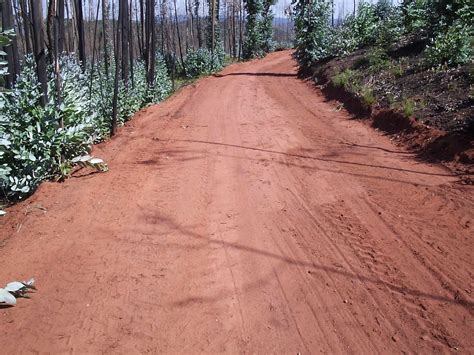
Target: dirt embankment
{"x": 429, "y": 111}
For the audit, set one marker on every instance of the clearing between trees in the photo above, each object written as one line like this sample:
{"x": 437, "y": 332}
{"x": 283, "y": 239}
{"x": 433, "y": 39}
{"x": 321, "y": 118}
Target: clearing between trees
{"x": 245, "y": 214}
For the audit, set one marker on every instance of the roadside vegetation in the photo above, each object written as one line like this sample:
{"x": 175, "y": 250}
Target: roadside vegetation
{"x": 415, "y": 58}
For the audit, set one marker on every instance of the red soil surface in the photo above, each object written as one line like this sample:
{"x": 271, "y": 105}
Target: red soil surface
{"x": 245, "y": 214}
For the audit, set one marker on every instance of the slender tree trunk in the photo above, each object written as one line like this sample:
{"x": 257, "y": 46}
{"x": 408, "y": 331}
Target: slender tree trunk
{"x": 142, "y": 28}
{"x": 118, "y": 57}
{"x": 198, "y": 23}
{"x": 125, "y": 38}
{"x": 179, "y": 37}
{"x": 61, "y": 28}
{"x": 150, "y": 42}
{"x": 91, "y": 76}
{"x": 38, "y": 48}
{"x": 80, "y": 32}
{"x": 50, "y": 29}
{"x": 139, "y": 26}
{"x": 213, "y": 25}
{"x": 105, "y": 30}
{"x": 12, "y": 49}
{"x": 234, "y": 30}
{"x": 130, "y": 42}
{"x": 26, "y": 26}
{"x": 190, "y": 10}
{"x": 241, "y": 25}
{"x": 71, "y": 27}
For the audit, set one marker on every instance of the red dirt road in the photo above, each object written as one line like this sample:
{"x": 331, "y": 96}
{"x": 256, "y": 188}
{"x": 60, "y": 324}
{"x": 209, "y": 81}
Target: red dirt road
{"x": 245, "y": 214}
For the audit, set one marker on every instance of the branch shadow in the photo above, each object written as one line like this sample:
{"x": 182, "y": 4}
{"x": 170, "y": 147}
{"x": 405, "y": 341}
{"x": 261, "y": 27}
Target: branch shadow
{"x": 312, "y": 266}
{"x": 287, "y": 75}
{"x": 315, "y": 158}
{"x": 291, "y": 164}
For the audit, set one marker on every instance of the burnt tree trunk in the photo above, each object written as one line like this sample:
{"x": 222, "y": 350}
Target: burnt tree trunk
{"x": 80, "y": 32}
{"x": 39, "y": 48}
{"x": 150, "y": 41}
{"x": 125, "y": 24}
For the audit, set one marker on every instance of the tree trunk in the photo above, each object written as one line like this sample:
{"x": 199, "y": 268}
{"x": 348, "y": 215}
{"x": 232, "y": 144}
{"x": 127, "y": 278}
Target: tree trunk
{"x": 124, "y": 23}
{"x": 130, "y": 42}
{"x": 50, "y": 29}
{"x": 179, "y": 37}
{"x": 118, "y": 56}
{"x": 38, "y": 48}
{"x": 11, "y": 49}
{"x": 150, "y": 42}
{"x": 80, "y": 33}
{"x": 241, "y": 25}
{"x": 198, "y": 23}
{"x": 105, "y": 30}
{"x": 61, "y": 28}
{"x": 26, "y": 26}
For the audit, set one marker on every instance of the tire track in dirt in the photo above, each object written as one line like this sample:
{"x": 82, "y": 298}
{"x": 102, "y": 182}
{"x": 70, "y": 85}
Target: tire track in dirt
{"x": 245, "y": 214}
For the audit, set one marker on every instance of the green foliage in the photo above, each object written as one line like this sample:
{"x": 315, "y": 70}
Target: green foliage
{"x": 390, "y": 28}
{"x": 5, "y": 40}
{"x": 363, "y": 26}
{"x": 203, "y": 62}
{"x": 455, "y": 45}
{"x": 447, "y": 24}
{"x": 377, "y": 59}
{"x": 367, "y": 95}
{"x": 259, "y": 28}
{"x": 416, "y": 16}
{"x": 408, "y": 107}
{"x": 266, "y": 27}
{"x": 312, "y": 31}
{"x": 350, "y": 80}
{"x": 346, "y": 79}
{"x": 35, "y": 146}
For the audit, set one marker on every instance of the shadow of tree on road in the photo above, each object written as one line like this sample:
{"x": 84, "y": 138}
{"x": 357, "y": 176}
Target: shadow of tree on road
{"x": 311, "y": 267}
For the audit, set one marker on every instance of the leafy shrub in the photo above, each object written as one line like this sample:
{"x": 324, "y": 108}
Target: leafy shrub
{"x": 203, "y": 62}
{"x": 5, "y": 40}
{"x": 38, "y": 143}
{"x": 363, "y": 26}
{"x": 377, "y": 59}
{"x": 391, "y": 28}
{"x": 34, "y": 143}
{"x": 372, "y": 24}
{"x": 456, "y": 44}
{"x": 258, "y": 29}
{"x": 312, "y": 32}
{"x": 416, "y": 16}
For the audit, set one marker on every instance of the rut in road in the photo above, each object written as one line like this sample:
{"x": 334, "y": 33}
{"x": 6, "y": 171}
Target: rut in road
{"x": 245, "y": 214}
